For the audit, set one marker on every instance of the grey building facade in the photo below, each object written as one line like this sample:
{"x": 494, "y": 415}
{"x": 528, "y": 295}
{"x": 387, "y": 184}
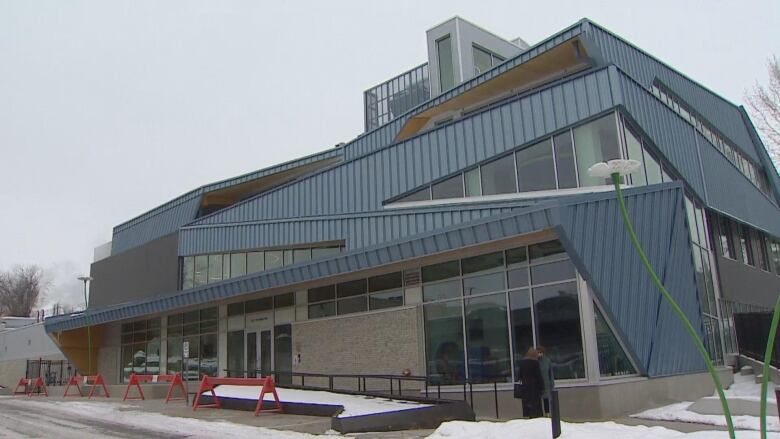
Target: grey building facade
{"x": 461, "y": 229}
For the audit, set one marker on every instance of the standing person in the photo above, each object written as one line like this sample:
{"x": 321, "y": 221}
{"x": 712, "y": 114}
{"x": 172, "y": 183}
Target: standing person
{"x": 545, "y": 365}
{"x": 533, "y": 384}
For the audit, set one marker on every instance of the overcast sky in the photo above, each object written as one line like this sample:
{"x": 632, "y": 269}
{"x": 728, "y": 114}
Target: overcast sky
{"x": 110, "y": 108}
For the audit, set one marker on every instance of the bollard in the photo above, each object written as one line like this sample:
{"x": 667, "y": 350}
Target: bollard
{"x": 555, "y": 414}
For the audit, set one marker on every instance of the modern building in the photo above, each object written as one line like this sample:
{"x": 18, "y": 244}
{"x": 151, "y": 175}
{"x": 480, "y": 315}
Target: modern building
{"x": 461, "y": 229}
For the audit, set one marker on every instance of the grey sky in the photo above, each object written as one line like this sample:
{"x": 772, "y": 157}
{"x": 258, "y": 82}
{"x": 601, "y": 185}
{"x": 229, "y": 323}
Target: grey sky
{"x": 110, "y": 108}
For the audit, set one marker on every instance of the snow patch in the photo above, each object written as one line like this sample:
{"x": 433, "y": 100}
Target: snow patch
{"x": 354, "y": 405}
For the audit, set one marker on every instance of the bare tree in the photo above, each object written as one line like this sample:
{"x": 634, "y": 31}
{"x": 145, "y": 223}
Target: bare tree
{"x": 764, "y": 106}
{"x": 20, "y": 290}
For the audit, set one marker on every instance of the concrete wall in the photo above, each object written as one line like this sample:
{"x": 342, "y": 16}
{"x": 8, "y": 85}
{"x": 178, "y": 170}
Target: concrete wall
{"x": 381, "y": 342}
{"x": 108, "y": 357}
{"x": 144, "y": 271}
{"x": 26, "y": 342}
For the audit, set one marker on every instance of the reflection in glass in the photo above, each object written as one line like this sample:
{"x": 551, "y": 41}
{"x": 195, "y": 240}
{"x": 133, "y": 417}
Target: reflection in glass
{"x": 444, "y": 341}
{"x": 387, "y": 299}
{"x": 613, "y": 361}
{"x": 634, "y": 147}
{"x": 546, "y": 251}
{"x": 237, "y": 264}
{"x": 273, "y": 259}
{"x": 322, "y": 310}
{"x": 484, "y": 283}
{"x": 595, "y": 142}
{"x": 188, "y": 272}
{"x": 564, "y": 161}
{"x": 444, "y": 58}
{"x": 487, "y": 338}
{"x": 557, "y": 315}
{"x": 201, "y": 270}
{"x": 552, "y": 272}
{"x": 449, "y": 188}
{"x": 423, "y": 194}
{"x": 498, "y": 176}
{"x": 653, "y": 168}
{"x": 215, "y": 268}
{"x": 482, "y": 262}
{"x": 235, "y": 353}
{"x": 208, "y": 351}
{"x": 482, "y": 60}
{"x": 385, "y": 281}
{"x": 283, "y": 352}
{"x": 472, "y": 182}
{"x": 174, "y": 354}
{"x": 352, "y": 305}
{"x": 522, "y": 326}
{"x": 441, "y": 290}
{"x": 445, "y": 270}
{"x": 535, "y": 167}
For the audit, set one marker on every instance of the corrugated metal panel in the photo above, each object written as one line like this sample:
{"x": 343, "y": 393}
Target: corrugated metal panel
{"x": 167, "y": 218}
{"x": 594, "y": 235}
{"x": 731, "y": 193}
{"x": 350, "y": 187}
{"x": 644, "y": 68}
{"x": 360, "y": 230}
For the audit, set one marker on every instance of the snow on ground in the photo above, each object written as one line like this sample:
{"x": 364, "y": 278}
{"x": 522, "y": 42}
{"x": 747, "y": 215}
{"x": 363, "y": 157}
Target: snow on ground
{"x": 354, "y": 405}
{"x": 125, "y": 414}
{"x": 540, "y": 429}
{"x": 744, "y": 387}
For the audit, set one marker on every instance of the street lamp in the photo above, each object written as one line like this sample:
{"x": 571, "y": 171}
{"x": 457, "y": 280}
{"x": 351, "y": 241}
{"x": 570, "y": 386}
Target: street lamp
{"x": 86, "y": 280}
{"x": 615, "y": 169}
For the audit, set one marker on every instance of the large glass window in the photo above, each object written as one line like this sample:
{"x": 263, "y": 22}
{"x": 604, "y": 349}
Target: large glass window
{"x": 536, "y": 167}
{"x": 215, "y": 268}
{"x": 188, "y": 272}
{"x": 201, "y": 270}
{"x": 564, "y": 161}
{"x": 498, "y": 176}
{"x": 557, "y": 312}
{"x": 522, "y": 324}
{"x": 613, "y": 361}
{"x": 473, "y": 183}
{"x": 140, "y": 347}
{"x": 449, "y": 188}
{"x": 487, "y": 338}
{"x": 482, "y": 60}
{"x": 596, "y": 142}
{"x": 199, "y": 331}
{"x": 634, "y": 149}
{"x": 237, "y": 264}
{"x": 444, "y": 341}
{"x": 255, "y": 262}
{"x": 446, "y": 71}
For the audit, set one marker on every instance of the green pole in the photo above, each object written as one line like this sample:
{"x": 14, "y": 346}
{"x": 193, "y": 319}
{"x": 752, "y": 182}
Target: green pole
{"x": 686, "y": 323}
{"x": 89, "y": 332}
{"x": 770, "y": 344}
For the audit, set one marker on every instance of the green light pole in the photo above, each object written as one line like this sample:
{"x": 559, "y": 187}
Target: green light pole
{"x": 614, "y": 169}
{"x": 86, "y": 280}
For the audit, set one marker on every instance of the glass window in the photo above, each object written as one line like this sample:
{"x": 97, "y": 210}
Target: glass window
{"x": 518, "y": 278}
{"x": 691, "y": 220}
{"x": 263, "y": 304}
{"x": 564, "y": 161}
{"x": 487, "y": 338}
{"x": 324, "y": 252}
{"x": 449, "y": 188}
{"x": 441, "y": 290}
{"x": 552, "y": 272}
{"x": 473, "y": 186}
{"x": 634, "y": 148}
{"x": 517, "y": 256}
{"x": 726, "y": 243}
{"x": 423, "y": 194}
{"x": 301, "y": 255}
{"x": 273, "y": 259}
{"x": 235, "y": 353}
{"x": 351, "y": 288}
{"x": 208, "y": 355}
{"x": 595, "y": 142}
{"x": 498, "y": 176}
{"x": 699, "y": 276}
{"x": 283, "y": 300}
{"x": 201, "y": 270}
{"x": 235, "y": 309}
{"x": 652, "y": 168}
{"x": 444, "y": 341}
{"x": 174, "y": 354}
{"x": 226, "y": 266}
{"x": 387, "y": 299}
{"x": 385, "y": 282}
{"x": 288, "y": 257}
{"x": 547, "y": 251}
{"x": 322, "y": 310}
{"x": 188, "y": 272}
{"x": 535, "y": 167}
{"x": 215, "y": 268}
{"x": 613, "y": 361}
{"x": 445, "y": 270}
{"x": 557, "y": 312}
{"x": 482, "y": 60}
{"x": 319, "y": 294}
{"x": 745, "y": 245}
{"x": 237, "y": 264}
{"x": 522, "y": 327}
{"x": 352, "y": 305}
{"x": 484, "y": 283}
{"x": 192, "y": 363}
{"x": 482, "y": 262}
{"x": 446, "y": 71}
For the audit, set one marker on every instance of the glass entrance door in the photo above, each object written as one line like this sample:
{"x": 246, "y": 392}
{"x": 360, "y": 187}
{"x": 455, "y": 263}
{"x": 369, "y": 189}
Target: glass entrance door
{"x": 283, "y": 353}
{"x": 258, "y": 353}
{"x": 252, "y": 357}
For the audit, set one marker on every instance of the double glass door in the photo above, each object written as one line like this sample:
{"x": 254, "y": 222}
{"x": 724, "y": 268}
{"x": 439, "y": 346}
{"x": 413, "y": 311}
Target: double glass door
{"x": 257, "y": 352}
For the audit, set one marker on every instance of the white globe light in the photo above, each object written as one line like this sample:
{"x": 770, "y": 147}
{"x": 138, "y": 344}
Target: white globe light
{"x": 619, "y": 166}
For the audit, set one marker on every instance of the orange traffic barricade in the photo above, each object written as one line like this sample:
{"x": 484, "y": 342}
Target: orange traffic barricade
{"x": 266, "y": 384}
{"x": 174, "y": 380}
{"x": 94, "y": 381}
{"x": 30, "y": 387}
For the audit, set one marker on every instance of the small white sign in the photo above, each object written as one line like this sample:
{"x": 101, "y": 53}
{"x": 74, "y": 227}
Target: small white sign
{"x": 185, "y": 349}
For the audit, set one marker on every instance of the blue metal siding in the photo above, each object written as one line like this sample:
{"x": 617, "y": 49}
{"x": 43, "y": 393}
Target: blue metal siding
{"x": 644, "y": 69}
{"x": 455, "y": 146}
{"x": 594, "y": 235}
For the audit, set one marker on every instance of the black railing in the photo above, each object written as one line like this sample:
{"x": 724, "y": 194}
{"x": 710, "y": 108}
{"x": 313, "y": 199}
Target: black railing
{"x": 752, "y": 330}
{"x": 53, "y": 372}
{"x": 385, "y": 385}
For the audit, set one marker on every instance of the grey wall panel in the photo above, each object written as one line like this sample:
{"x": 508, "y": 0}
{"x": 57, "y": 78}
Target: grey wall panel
{"x": 154, "y": 225}
{"x": 745, "y": 284}
{"x": 644, "y": 68}
{"x": 731, "y": 193}
{"x": 405, "y": 162}
{"x": 143, "y": 271}
{"x": 357, "y": 230}
{"x": 594, "y": 234}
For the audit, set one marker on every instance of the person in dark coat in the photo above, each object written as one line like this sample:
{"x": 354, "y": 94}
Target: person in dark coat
{"x": 533, "y": 384}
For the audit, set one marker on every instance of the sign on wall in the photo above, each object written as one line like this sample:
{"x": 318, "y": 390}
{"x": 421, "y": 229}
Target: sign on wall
{"x": 185, "y": 349}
